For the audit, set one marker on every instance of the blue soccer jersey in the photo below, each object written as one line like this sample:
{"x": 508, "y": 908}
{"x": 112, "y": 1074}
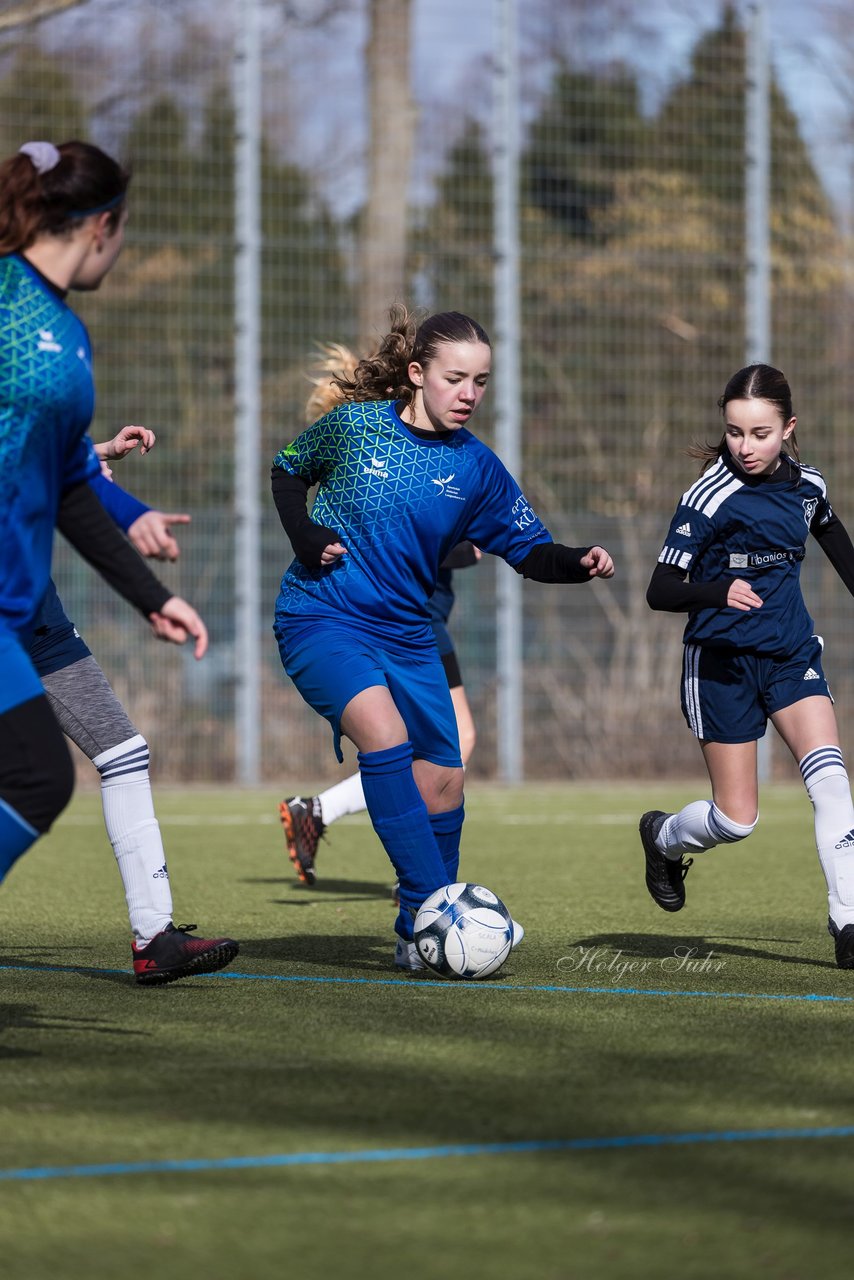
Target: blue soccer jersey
{"x": 398, "y": 502}
{"x": 731, "y": 525}
{"x": 46, "y": 404}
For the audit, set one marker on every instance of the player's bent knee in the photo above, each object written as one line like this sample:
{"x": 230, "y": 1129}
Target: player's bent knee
{"x": 441, "y": 787}
{"x": 726, "y": 829}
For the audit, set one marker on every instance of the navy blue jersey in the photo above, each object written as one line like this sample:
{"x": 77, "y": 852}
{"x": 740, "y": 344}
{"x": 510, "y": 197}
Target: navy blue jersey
{"x": 46, "y": 404}
{"x": 399, "y": 503}
{"x": 731, "y": 525}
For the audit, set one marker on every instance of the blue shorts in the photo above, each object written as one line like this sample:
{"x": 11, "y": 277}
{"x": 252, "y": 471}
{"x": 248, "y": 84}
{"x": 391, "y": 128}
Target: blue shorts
{"x": 18, "y": 680}
{"x": 330, "y": 664}
{"x": 728, "y": 697}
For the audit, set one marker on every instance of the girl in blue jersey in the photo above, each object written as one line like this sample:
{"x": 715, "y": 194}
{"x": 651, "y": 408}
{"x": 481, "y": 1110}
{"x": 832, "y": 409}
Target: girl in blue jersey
{"x": 91, "y": 715}
{"x": 62, "y": 218}
{"x": 401, "y": 481}
{"x": 731, "y": 561}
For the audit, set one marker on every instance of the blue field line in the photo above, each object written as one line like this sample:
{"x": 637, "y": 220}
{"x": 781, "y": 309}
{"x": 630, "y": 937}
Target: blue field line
{"x": 419, "y": 984}
{"x": 388, "y": 1155}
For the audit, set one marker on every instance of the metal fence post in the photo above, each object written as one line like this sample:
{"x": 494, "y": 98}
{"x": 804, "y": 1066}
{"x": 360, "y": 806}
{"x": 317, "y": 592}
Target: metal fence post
{"x": 757, "y": 264}
{"x": 505, "y": 150}
{"x": 247, "y": 394}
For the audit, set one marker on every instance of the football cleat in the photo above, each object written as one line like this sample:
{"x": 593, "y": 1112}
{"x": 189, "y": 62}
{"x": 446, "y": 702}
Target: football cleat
{"x": 303, "y": 826}
{"x": 843, "y": 941}
{"x": 406, "y": 956}
{"x": 664, "y": 876}
{"x": 173, "y": 954}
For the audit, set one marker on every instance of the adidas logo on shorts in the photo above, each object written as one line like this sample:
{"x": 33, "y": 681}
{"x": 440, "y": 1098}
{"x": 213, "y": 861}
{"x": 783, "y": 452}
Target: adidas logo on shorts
{"x": 811, "y": 675}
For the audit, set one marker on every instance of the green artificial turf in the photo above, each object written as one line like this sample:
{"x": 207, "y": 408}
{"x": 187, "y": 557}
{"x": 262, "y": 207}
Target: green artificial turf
{"x": 613, "y": 1020}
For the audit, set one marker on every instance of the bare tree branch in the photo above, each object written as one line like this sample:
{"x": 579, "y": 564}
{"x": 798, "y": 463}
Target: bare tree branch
{"x": 29, "y": 12}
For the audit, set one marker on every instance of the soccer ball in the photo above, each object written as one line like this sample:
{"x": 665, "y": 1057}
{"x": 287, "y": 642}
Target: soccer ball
{"x": 463, "y": 931}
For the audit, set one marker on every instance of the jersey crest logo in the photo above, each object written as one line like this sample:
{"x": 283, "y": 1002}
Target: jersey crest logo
{"x": 810, "y": 505}
{"x": 684, "y": 530}
{"x": 444, "y": 486}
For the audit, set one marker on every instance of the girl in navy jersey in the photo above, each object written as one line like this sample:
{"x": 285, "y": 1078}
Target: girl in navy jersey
{"x": 401, "y": 481}
{"x": 731, "y": 561}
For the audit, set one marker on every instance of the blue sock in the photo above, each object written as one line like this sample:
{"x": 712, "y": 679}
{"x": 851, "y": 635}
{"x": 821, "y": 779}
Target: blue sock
{"x": 16, "y": 836}
{"x": 400, "y": 819}
{"x": 447, "y": 828}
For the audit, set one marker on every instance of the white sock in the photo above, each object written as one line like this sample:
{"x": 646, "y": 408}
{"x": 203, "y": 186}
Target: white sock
{"x": 135, "y": 836}
{"x": 699, "y": 826}
{"x": 826, "y": 781}
{"x": 345, "y": 797}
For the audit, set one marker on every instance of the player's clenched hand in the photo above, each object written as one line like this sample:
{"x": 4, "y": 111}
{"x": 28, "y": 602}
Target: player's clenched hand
{"x": 742, "y": 596}
{"x": 124, "y": 441}
{"x": 599, "y": 563}
{"x": 177, "y": 621}
{"x": 152, "y": 536}
{"x": 334, "y": 551}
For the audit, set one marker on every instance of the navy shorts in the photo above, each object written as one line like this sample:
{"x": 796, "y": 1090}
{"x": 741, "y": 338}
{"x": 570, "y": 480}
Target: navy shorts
{"x": 728, "y": 697}
{"x": 330, "y": 664}
{"x": 55, "y": 642}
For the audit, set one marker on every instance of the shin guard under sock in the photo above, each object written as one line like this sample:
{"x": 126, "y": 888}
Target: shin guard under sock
{"x": 447, "y": 828}
{"x": 826, "y": 781}
{"x": 400, "y": 819}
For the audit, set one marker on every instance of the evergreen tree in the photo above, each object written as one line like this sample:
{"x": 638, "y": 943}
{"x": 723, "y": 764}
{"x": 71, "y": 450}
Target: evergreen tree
{"x": 588, "y": 130}
{"x": 454, "y": 254}
{"x": 38, "y": 100}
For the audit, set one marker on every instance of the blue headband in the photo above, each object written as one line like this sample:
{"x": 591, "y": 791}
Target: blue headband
{"x": 101, "y": 208}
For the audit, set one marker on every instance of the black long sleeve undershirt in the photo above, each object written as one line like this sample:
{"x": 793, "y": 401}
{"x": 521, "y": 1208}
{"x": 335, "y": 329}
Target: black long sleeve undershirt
{"x": 553, "y": 562}
{"x": 309, "y": 540}
{"x": 85, "y": 524}
{"x": 669, "y": 590}
{"x": 834, "y": 540}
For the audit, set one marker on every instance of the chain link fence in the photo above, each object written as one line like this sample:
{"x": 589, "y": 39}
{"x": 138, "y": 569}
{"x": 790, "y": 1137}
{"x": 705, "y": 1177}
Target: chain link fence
{"x": 377, "y": 183}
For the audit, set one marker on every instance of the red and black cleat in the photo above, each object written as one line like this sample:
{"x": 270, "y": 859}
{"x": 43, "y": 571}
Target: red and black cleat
{"x": 303, "y": 827}
{"x": 173, "y": 954}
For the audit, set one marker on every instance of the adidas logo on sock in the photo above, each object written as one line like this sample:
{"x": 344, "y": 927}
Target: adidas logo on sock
{"x": 811, "y": 675}
{"x": 162, "y": 874}
{"x": 847, "y": 842}
{"x": 684, "y": 529}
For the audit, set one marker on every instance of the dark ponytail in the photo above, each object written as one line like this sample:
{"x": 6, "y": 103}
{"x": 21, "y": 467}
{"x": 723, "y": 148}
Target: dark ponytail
{"x": 46, "y": 190}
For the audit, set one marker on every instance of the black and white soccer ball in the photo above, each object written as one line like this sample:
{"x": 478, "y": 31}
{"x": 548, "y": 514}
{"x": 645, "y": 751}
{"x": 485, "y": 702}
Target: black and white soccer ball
{"x": 463, "y": 931}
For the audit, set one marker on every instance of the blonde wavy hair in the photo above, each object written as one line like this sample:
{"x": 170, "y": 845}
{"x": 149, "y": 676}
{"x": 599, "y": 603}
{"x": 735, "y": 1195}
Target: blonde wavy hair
{"x": 332, "y": 365}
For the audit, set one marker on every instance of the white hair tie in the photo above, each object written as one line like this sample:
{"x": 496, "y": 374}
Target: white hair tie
{"x": 44, "y": 155}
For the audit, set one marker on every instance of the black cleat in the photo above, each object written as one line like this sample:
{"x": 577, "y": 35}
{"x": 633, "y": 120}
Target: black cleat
{"x": 303, "y": 827}
{"x": 664, "y": 876}
{"x": 843, "y": 941}
{"x": 173, "y": 954}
